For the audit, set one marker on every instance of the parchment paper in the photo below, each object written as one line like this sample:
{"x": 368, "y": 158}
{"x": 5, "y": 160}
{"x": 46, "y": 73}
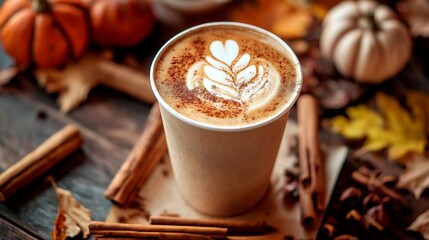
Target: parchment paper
{"x": 160, "y": 195}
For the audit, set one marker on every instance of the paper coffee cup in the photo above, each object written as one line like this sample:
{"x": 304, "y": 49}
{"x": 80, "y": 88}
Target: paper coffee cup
{"x": 224, "y": 170}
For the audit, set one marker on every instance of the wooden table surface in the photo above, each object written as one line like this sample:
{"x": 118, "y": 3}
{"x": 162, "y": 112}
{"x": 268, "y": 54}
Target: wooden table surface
{"x": 110, "y": 123}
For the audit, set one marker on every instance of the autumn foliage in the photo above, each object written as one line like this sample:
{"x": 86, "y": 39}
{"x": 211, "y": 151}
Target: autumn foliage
{"x": 391, "y": 127}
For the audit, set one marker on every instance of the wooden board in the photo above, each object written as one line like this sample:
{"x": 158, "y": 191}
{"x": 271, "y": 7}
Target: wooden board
{"x": 110, "y": 123}
{"x": 15, "y": 232}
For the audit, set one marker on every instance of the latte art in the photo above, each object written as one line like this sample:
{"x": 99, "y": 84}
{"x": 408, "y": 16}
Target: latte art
{"x": 225, "y": 74}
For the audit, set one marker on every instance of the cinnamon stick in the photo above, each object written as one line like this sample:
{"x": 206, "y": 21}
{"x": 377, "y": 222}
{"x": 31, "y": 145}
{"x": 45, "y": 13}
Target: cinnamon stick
{"x": 235, "y": 227}
{"x": 141, "y": 230}
{"x": 125, "y": 79}
{"x": 44, "y": 157}
{"x": 201, "y": 237}
{"x": 311, "y": 183}
{"x": 162, "y": 236}
{"x": 141, "y": 161}
{"x": 262, "y": 237}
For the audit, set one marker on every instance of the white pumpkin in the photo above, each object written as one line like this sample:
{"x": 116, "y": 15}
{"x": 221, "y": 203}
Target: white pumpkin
{"x": 365, "y": 40}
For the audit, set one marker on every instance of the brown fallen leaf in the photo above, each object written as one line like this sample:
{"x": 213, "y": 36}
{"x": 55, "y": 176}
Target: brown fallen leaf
{"x": 415, "y": 177}
{"x": 294, "y": 24}
{"x": 72, "y": 219}
{"x": 6, "y": 75}
{"x": 74, "y": 82}
{"x": 416, "y": 13}
{"x": 278, "y": 16}
{"x": 421, "y": 224}
{"x": 337, "y": 93}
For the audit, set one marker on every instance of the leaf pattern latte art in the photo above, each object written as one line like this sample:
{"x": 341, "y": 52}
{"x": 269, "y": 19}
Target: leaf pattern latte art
{"x": 225, "y": 74}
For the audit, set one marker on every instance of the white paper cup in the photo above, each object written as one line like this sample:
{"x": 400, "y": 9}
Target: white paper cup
{"x": 223, "y": 170}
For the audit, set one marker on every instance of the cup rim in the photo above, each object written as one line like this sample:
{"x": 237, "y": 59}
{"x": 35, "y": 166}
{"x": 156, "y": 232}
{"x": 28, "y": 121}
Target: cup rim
{"x": 286, "y": 108}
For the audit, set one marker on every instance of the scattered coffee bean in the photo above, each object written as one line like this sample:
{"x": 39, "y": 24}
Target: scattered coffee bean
{"x": 346, "y": 237}
{"x": 366, "y": 212}
{"x": 371, "y": 200}
{"x": 350, "y": 194}
{"x": 355, "y": 215}
{"x": 328, "y": 230}
{"x": 377, "y": 217}
{"x": 40, "y": 114}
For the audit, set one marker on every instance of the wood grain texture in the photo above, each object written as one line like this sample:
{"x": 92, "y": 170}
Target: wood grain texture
{"x": 109, "y": 123}
{"x": 10, "y": 231}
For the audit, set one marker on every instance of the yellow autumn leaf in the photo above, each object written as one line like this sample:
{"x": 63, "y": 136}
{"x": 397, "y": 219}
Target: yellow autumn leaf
{"x": 360, "y": 122}
{"x": 392, "y": 127}
{"x": 407, "y": 134}
{"x": 418, "y": 103}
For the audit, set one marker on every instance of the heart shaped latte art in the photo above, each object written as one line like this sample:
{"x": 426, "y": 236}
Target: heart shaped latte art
{"x": 226, "y": 53}
{"x": 251, "y": 82}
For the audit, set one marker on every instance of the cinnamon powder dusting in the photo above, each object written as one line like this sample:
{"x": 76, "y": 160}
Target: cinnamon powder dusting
{"x": 173, "y": 66}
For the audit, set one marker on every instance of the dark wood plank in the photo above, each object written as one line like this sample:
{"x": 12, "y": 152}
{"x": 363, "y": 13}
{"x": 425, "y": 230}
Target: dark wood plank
{"x": 109, "y": 122}
{"x": 10, "y": 231}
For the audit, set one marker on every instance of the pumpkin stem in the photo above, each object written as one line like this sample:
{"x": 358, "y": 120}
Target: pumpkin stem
{"x": 41, "y": 6}
{"x": 368, "y": 21}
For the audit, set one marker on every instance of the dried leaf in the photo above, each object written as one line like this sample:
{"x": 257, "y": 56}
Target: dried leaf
{"x": 336, "y": 93}
{"x": 415, "y": 177}
{"x": 6, "y": 75}
{"x": 293, "y": 25}
{"x": 361, "y": 120}
{"x": 416, "y": 13}
{"x": 279, "y": 16}
{"x": 402, "y": 132}
{"x": 393, "y": 127}
{"x": 421, "y": 224}
{"x": 418, "y": 103}
{"x": 72, "y": 83}
{"x": 72, "y": 219}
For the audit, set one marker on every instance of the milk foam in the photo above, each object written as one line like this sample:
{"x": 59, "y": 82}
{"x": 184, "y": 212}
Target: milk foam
{"x": 226, "y": 76}
{"x": 251, "y": 82}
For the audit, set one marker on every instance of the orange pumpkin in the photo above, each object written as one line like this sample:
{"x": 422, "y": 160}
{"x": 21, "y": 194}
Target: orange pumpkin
{"x": 121, "y": 23}
{"x": 44, "y": 33}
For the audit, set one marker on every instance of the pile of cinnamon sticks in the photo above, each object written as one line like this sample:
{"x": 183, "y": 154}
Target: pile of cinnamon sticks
{"x": 311, "y": 185}
{"x": 163, "y": 227}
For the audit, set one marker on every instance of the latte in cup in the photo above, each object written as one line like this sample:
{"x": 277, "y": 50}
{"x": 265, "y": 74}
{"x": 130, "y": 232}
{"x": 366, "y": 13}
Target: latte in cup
{"x": 224, "y": 90}
{"x": 226, "y": 76}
